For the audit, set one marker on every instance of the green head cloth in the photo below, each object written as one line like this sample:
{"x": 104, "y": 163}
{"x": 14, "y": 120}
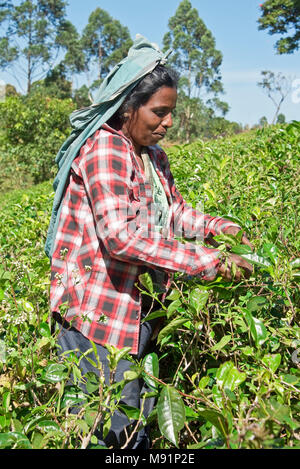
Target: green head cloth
{"x": 142, "y": 58}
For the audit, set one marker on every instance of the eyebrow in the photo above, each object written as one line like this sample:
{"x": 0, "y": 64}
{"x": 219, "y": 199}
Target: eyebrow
{"x": 162, "y": 108}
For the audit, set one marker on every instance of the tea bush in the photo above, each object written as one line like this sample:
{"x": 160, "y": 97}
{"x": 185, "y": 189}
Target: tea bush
{"x": 32, "y": 130}
{"x": 225, "y": 370}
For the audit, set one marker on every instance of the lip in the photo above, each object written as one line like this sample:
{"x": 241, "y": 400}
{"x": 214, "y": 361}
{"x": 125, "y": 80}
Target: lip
{"x": 160, "y": 134}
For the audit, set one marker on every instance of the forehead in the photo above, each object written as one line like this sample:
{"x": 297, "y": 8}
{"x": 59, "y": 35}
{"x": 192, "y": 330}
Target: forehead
{"x": 164, "y": 97}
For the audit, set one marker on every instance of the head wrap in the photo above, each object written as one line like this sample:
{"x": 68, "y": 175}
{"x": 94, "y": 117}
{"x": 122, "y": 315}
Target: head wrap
{"x": 142, "y": 58}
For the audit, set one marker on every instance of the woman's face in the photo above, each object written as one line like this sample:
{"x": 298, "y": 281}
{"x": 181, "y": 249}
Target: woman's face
{"x": 150, "y": 122}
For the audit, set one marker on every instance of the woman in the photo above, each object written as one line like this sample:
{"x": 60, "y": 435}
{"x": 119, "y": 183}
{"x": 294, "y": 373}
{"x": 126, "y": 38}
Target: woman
{"x": 119, "y": 217}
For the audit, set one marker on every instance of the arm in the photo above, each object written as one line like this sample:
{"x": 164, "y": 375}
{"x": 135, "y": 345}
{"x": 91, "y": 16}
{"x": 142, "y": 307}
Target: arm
{"x": 190, "y": 222}
{"x": 106, "y": 171}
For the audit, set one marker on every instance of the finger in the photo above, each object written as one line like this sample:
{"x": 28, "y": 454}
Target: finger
{"x": 225, "y": 270}
{"x": 241, "y": 270}
{"x": 246, "y": 241}
{"x": 240, "y": 262}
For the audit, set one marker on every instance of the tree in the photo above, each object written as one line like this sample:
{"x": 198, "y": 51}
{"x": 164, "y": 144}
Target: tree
{"x": 282, "y": 17}
{"x": 54, "y": 85}
{"x": 69, "y": 39}
{"x": 277, "y": 87}
{"x": 198, "y": 60}
{"x": 30, "y": 39}
{"x": 194, "y": 49}
{"x": 263, "y": 121}
{"x": 281, "y": 119}
{"x": 105, "y": 42}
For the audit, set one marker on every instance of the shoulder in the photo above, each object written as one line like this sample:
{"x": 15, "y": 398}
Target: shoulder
{"x": 103, "y": 144}
{"x": 106, "y": 153}
{"x": 105, "y": 139}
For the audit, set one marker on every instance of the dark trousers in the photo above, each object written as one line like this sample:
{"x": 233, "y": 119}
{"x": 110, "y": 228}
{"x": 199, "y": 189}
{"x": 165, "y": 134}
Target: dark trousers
{"x": 70, "y": 339}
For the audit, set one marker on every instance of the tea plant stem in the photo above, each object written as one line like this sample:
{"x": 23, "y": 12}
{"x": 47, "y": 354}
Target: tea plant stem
{"x": 291, "y": 305}
{"x": 128, "y": 439}
{"x": 97, "y": 420}
{"x": 16, "y": 304}
{"x": 183, "y": 358}
{"x": 190, "y": 432}
{"x": 188, "y": 396}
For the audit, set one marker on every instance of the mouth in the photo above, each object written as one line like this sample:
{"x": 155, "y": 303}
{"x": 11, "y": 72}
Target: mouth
{"x": 160, "y": 134}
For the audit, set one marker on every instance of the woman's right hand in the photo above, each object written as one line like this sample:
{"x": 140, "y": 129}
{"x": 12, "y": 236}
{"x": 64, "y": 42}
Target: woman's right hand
{"x": 243, "y": 270}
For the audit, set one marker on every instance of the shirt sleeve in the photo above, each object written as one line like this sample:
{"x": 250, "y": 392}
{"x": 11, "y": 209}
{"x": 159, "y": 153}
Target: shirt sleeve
{"x": 106, "y": 170}
{"x": 190, "y": 222}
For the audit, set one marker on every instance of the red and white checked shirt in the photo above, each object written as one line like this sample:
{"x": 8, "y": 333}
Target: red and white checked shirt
{"x": 106, "y": 239}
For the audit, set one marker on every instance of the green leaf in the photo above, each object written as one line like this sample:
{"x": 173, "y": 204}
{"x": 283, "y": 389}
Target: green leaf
{"x": 216, "y": 419}
{"x": 173, "y": 307}
{"x": 54, "y": 373}
{"x": 44, "y": 330}
{"x": 256, "y": 302}
{"x": 280, "y": 412}
{"x": 272, "y": 361}
{"x": 146, "y": 280}
{"x": 132, "y": 412}
{"x": 91, "y": 382}
{"x": 131, "y": 375}
{"x": 174, "y": 295}
{"x": 151, "y": 366}
{"x": 241, "y": 249}
{"x": 14, "y": 440}
{"x": 190, "y": 414}
{"x": 198, "y": 298}
{"x": 204, "y": 381}
{"x": 160, "y": 313}
{"x": 27, "y": 306}
{"x": 257, "y": 329}
{"x": 46, "y": 426}
{"x": 221, "y": 344}
{"x": 290, "y": 379}
{"x": 115, "y": 355}
{"x": 6, "y": 401}
{"x": 271, "y": 251}
{"x": 228, "y": 376}
{"x": 171, "y": 413}
{"x": 255, "y": 259}
{"x": 72, "y": 396}
{"x": 295, "y": 263}
{"x": 172, "y": 326}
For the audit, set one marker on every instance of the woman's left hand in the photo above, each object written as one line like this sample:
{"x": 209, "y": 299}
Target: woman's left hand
{"x": 233, "y": 230}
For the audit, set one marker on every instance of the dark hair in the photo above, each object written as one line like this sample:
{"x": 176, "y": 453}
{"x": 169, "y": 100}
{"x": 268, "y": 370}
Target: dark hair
{"x": 150, "y": 84}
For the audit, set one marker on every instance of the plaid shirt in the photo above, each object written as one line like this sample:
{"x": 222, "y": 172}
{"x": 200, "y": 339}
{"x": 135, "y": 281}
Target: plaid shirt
{"x": 106, "y": 238}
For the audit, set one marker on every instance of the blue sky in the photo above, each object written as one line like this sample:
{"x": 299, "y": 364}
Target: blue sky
{"x": 246, "y": 51}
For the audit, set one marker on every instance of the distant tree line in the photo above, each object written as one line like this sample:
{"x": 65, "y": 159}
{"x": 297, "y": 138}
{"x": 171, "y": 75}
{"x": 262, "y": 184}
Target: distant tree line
{"x": 46, "y": 55}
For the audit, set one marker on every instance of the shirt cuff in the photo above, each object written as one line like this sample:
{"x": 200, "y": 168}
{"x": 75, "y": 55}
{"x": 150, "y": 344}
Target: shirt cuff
{"x": 207, "y": 263}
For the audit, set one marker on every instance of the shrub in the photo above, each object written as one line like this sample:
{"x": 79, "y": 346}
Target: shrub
{"x": 33, "y": 128}
{"x": 228, "y": 369}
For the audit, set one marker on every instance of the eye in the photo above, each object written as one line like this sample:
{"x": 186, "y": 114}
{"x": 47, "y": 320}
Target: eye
{"x": 160, "y": 113}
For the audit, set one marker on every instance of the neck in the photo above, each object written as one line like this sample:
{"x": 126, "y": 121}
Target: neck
{"x": 137, "y": 147}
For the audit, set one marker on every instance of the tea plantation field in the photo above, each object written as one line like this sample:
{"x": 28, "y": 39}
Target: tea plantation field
{"x": 226, "y": 368}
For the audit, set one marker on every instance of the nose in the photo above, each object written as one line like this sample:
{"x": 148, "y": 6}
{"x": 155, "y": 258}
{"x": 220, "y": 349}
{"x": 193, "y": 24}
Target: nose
{"x": 167, "y": 121}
